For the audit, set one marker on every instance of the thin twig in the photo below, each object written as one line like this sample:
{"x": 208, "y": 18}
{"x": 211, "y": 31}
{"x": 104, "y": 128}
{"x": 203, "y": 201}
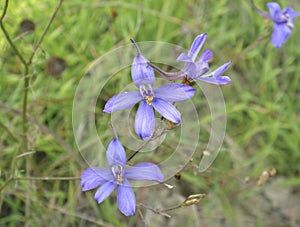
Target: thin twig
{"x": 4, "y": 10}
{"x": 12, "y": 45}
{"x": 37, "y": 45}
{"x": 144, "y": 144}
{"x": 142, "y": 218}
{"x": 46, "y": 178}
{"x": 156, "y": 211}
{"x": 8, "y": 131}
{"x": 171, "y": 208}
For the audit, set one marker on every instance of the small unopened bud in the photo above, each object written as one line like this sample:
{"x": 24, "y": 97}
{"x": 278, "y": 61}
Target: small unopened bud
{"x": 193, "y": 199}
{"x": 264, "y": 177}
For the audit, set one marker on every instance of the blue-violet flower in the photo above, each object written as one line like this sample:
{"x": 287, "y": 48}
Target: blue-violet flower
{"x": 149, "y": 98}
{"x": 197, "y": 69}
{"x": 283, "y": 23}
{"x": 116, "y": 177}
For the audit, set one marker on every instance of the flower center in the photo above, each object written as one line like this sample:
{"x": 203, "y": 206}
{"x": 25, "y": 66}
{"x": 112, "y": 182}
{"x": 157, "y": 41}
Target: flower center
{"x": 147, "y": 92}
{"x": 118, "y": 173}
{"x": 148, "y": 99}
{"x": 288, "y": 21}
{"x": 285, "y": 19}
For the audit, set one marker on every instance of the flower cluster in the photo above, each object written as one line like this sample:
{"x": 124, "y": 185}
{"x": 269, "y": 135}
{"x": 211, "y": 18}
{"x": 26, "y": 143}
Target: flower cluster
{"x": 150, "y": 99}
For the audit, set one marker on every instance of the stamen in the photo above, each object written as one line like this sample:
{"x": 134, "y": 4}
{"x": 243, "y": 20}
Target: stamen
{"x": 118, "y": 173}
{"x": 147, "y": 93}
{"x": 119, "y": 178}
{"x": 148, "y": 99}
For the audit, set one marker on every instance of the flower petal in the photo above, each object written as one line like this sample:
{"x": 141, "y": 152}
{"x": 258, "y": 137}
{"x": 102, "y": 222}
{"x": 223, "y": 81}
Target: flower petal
{"x": 274, "y": 8}
{"x": 104, "y": 191}
{"x": 190, "y": 69}
{"x": 280, "y": 34}
{"x": 144, "y": 171}
{"x": 216, "y": 77}
{"x": 115, "y": 153}
{"x": 219, "y": 71}
{"x": 93, "y": 177}
{"x": 215, "y": 80}
{"x": 174, "y": 92}
{"x": 126, "y": 199}
{"x": 122, "y": 101}
{"x": 141, "y": 72}
{"x": 167, "y": 110}
{"x": 206, "y": 55}
{"x": 184, "y": 58}
{"x": 201, "y": 68}
{"x": 291, "y": 12}
{"x": 197, "y": 45}
{"x": 144, "y": 124}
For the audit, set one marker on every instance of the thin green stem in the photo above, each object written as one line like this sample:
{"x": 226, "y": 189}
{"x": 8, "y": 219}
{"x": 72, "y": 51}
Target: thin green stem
{"x": 7, "y": 35}
{"x": 4, "y": 10}
{"x": 12, "y": 44}
{"x": 24, "y": 110}
{"x": 171, "y": 208}
{"x": 24, "y": 146}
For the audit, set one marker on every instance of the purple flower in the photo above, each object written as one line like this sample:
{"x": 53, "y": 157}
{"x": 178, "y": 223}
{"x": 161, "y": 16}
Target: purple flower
{"x": 283, "y": 23}
{"x": 198, "y": 69}
{"x": 149, "y": 98}
{"x": 116, "y": 177}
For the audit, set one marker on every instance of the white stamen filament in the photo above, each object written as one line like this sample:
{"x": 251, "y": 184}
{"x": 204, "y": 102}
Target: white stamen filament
{"x": 118, "y": 173}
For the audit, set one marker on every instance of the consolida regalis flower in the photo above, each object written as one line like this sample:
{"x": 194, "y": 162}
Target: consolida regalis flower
{"x": 116, "y": 177}
{"x": 283, "y": 23}
{"x": 149, "y": 98}
{"x": 197, "y": 69}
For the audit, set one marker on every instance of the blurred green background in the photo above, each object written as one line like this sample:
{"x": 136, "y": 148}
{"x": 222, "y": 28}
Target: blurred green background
{"x": 263, "y": 113}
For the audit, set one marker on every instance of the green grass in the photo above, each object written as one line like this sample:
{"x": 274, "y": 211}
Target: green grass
{"x": 262, "y": 104}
